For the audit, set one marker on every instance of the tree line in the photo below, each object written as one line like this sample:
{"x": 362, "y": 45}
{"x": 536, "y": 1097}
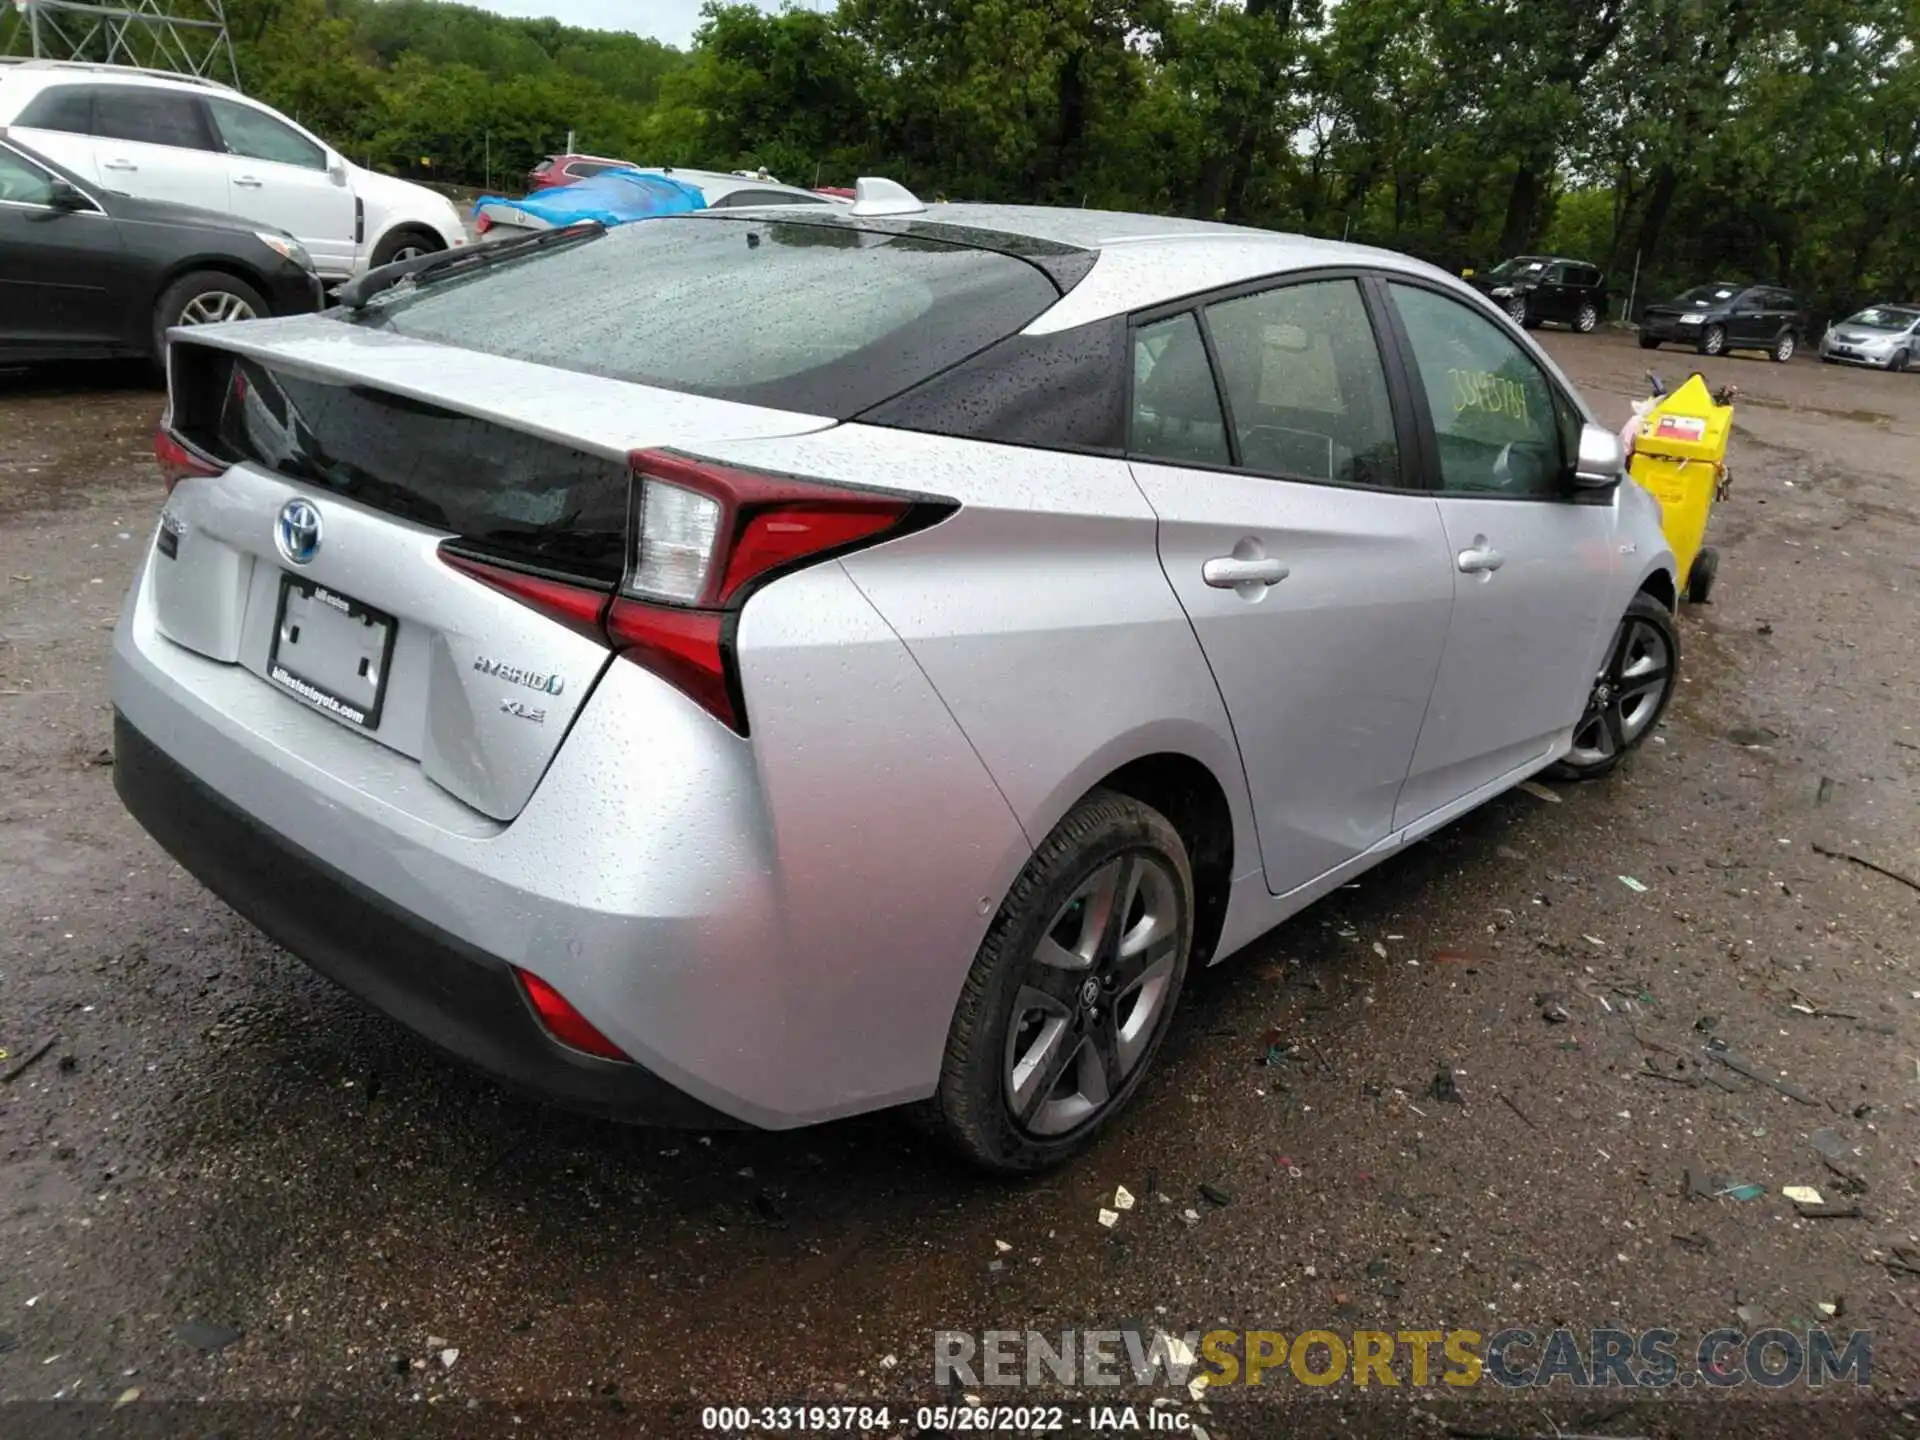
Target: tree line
{"x": 1689, "y": 140}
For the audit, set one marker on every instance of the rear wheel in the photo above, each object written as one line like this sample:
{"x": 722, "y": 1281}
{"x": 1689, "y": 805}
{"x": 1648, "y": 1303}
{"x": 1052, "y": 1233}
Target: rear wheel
{"x": 1713, "y": 341}
{"x": 203, "y": 297}
{"x": 1630, "y": 693}
{"x": 1072, "y": 990}
{"x": 1782, "y": 350}
{"x": 1649, "y": 342}
{"x": 1586, "y": 319}
{"x": 1517, "y": 310}
{"x": 1706, "y": 565}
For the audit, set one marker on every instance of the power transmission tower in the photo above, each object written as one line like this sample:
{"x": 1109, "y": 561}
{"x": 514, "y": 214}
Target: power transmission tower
{"x": 186, "y": 36}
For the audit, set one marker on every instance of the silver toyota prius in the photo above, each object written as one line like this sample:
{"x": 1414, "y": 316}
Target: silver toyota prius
{"x": 750, "y": 668}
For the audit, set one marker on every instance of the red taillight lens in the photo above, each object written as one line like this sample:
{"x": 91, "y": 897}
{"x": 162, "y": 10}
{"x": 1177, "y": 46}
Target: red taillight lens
{"x": 563, "y": 1022}
{"x": 578, "y": 607}
{"x": 707, "y": 536}
{"x": 481, "y": 224}
{"x": 685, "y": 648}
{"x": 709, "y": 532}
{"x": 177, "y": 462}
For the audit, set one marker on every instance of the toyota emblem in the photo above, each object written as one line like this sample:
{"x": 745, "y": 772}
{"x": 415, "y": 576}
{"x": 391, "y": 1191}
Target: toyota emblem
{"x": 297, "y": 534}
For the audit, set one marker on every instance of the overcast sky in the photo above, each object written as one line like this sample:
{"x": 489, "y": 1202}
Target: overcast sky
{"x": 670, "y": 20}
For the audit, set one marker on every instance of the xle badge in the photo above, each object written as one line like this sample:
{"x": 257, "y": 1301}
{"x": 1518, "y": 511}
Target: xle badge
{"x": 525, "y": 712}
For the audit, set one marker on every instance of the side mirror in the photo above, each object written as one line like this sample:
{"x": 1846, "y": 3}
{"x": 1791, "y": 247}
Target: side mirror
{"x": 337, "y": 170}
{"x": 1601, "y": 461}
{"x": 63, "y": 196}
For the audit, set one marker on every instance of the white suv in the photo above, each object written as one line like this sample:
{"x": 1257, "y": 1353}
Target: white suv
{"x": 199, "y": 143}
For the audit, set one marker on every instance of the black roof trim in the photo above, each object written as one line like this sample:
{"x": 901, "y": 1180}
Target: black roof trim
{"x": 1065, "y": 265}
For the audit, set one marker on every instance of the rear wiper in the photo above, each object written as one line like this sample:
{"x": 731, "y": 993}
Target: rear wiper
{"x": 356, "y": 293}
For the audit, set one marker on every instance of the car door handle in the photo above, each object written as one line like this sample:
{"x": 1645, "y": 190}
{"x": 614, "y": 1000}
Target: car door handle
{"x": 1229, "y": 572}
{"x": 117, "y": 163}
{"x": 1480, "y": 560}
{"x": 252, "y": 182}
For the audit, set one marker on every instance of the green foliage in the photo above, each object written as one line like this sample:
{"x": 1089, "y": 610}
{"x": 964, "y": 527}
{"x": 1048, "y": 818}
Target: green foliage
{"x": 1777, "y": 139}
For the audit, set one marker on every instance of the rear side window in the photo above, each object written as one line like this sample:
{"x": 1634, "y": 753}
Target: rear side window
{"x": 1304, "y": 382}
{"x": 821, "y": 318}
{"x": 1176, "y": 409}
{"x": 67, "y": 108}
{"x": 258, "y": 136}
{"x": 151, "y": 117}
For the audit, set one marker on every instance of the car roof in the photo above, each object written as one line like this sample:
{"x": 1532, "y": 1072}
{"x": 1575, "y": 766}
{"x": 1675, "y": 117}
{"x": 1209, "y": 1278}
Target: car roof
{"x": 51, "y": 72}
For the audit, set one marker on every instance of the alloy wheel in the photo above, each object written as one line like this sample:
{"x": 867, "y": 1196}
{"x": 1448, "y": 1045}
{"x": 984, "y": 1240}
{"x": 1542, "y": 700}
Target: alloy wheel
{"x": 1586, "y": 320}
{"x": 1783, "y": 350}
{"x": 1092, "y": 995}
{"x": 213, "y": 307}
{"x": 1715, "y": 340}
{"x": 409, "y": 252}
{"x": 1626, "y": 696}
{"x": 1517, "y": 309}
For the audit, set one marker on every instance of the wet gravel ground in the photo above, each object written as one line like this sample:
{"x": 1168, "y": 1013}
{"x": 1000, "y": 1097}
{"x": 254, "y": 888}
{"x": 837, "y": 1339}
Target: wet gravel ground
{"x": 223, "y": 1182}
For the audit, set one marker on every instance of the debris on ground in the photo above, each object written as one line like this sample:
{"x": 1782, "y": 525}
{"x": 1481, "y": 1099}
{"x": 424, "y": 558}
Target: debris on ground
{"x": 1539, "y": 791}
{"x": 1862, "y": 861}
{"x": 1122, "y": 1198}
{"x": 20, "y": 1066}
{"x": 1831, "y": 1212}
{"x": 448, "y": 1356}
{"x": 1632, "y": 884}
{"x": 1214, "y": 1195}
{"x": 202, "y": 1336}
{"x": 1740, "y": 1065}
{"x": 1109, "y": 1218}
{"x": 1803, "y": 1195}
{"x": 1192, "y": 1217}
{"x": 1445, "y": 1088}
{"x": 1001, "y": 1247}
{"x": 1748, "y": 1191}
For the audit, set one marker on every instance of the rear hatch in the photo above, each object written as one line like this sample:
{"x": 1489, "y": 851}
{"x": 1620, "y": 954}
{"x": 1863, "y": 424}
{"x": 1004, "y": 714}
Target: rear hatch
{"x": 353, "y": 549}
{"x": 436, "y": 519}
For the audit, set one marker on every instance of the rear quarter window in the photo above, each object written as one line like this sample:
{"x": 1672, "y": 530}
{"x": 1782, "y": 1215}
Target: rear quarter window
{"x": 67, "y": 108}
{"x": 822, "y": 318}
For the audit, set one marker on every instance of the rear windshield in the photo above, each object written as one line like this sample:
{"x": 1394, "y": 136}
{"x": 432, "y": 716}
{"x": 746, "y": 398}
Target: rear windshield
{"x": 821, "y": 318}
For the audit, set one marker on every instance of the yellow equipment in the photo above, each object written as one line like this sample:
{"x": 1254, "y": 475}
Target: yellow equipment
{"x": 1680, "y": 456}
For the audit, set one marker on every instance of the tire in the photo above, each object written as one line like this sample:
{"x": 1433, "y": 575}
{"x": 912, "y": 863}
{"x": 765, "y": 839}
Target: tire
{"x": 1645, "y": 648}
{"x": 403, "y": 244}
{"x": 203, "y": 297}
{"x": 1021, "y": 1014}
{"x": 1706, "y": 565}
{"x": 1649, "y": 342}
{"x": 1898, "y": 363}
{"x": 1586, "y": 319}
{"x": 1518, "y": 311}
{"x": 1713, "y": 340}
{"x": 1782, "y": 350}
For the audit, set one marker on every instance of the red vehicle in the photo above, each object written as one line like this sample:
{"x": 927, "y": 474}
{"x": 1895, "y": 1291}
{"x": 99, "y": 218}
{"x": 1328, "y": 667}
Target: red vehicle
{"x": 565, "y": 169}
{"x": 842, "y": 192}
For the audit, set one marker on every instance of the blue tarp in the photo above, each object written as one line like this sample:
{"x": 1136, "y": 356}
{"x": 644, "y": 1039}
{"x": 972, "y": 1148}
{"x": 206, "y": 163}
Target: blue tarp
{"x": 613, "y": 198}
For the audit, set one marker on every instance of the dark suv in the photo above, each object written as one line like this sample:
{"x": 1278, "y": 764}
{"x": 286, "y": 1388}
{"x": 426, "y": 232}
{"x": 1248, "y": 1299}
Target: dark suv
{"x": 1533, "y": 288}
{"x": 1727, "y": 316}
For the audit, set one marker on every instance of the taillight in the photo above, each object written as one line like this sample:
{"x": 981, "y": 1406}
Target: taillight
{"x": 706, "y": 536}
{"x": 177, "y": 462}
{"x": 481, "y": 224}
{"x": 564, "y": 1023}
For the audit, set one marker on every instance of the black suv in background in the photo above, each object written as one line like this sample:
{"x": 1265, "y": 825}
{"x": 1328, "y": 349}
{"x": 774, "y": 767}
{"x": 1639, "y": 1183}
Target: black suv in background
{"x": 1727, "y": 315}
{"x": 1533, "y": 288}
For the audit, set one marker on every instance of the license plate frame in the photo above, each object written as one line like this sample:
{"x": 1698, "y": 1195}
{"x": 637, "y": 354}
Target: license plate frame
{"x": 349, "y": 651}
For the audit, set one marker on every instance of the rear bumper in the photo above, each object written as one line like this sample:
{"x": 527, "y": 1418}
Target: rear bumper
{"x": 453, "y": 994}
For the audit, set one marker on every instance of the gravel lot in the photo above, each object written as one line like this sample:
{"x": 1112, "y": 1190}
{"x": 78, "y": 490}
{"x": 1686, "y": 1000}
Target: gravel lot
{"x": 216, "y": 1138}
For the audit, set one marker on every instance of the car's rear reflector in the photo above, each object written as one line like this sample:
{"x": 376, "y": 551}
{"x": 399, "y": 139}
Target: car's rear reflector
{"x": 686, "y": 648}
{"x": 564, "y": 1023}
{"x": 177, "y": 462}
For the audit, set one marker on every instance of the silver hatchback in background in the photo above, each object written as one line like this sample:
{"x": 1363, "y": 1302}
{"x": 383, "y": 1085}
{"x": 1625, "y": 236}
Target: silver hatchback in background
{"x": 865, "y": 656}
